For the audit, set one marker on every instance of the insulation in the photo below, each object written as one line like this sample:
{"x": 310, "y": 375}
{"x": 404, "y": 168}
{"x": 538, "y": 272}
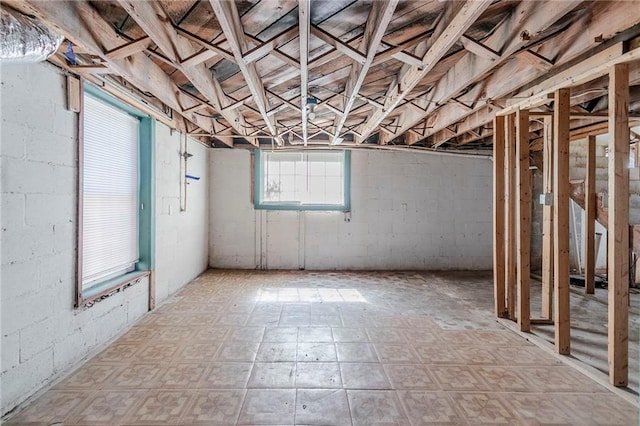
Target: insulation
{"x": 23, "y": 39}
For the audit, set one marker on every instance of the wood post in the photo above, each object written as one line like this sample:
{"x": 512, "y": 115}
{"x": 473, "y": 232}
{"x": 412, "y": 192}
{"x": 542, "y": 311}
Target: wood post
{"x": 547, "y": 222}
{"x": 523, "y": 211}
{"x": 498, "y": 216}
{"x": 561, "y": 220}
{"x": 590, "y": 218}
{"x": 618, "y": 231}
{"x": 510, "y": 209}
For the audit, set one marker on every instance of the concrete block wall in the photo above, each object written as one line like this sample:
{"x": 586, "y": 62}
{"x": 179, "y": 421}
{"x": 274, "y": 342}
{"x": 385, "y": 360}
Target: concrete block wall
{"x": 42, "y": 335}
{"x": 409, "y": 211}
{"x": 182, "y": 237}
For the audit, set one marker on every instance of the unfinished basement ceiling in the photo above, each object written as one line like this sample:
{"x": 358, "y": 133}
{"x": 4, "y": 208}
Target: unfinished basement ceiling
{"x": 286, "y": 72}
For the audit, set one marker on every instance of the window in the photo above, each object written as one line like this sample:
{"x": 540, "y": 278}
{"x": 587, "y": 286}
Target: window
{"x": 302, "y": 180}
{"x": 114, "y": 237}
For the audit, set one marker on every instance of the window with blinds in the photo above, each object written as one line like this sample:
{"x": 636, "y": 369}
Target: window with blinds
{"x": 304, "y": 180}
{"x": 109, "y": 192}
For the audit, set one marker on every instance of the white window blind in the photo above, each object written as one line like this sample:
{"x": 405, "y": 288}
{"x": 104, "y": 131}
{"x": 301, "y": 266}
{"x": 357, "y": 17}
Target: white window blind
{"x": 110, "y": 192}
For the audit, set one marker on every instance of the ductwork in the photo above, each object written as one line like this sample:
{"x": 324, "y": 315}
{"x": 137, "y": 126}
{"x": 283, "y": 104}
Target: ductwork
{"x": 23, "y": 39}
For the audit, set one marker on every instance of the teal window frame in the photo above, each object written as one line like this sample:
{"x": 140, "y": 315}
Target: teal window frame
{"x": 146, "y": 207}
{"x": 260, "y": 204}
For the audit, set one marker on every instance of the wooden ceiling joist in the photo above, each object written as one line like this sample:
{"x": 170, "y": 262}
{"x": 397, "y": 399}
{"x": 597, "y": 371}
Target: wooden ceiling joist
{"x": 229, "y": 20}
{"x": 80, "y": 23}
{"x": 529, "y": 17}
{"x": 465, "y": 17}
{"x": 379, "y": 18}
{"x": 155, "y": 21}
{"x": 304, "y": 23}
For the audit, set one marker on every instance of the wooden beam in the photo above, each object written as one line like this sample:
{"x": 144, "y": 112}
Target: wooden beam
{"x": 479, "y": 49}
{"x": 535, "y": 59}
{"x": 618, "y": 231}
{"x": 561, "y": 221}
{"x": 590, "y": 218}
{"x": 498, "y": 217}
{"x": 523, "y": 212}
{"x": 155, "y": 21}
{"x": 207, "y": 45}
{"x": 129, "y": 49}
{"x": 198, "y": 58}
{"x": 506, "y": 40}
{"x": 229, "y": 20}
{"x": 466, "y": 16}
{"x": 510, "y": 212}
{"x": 79, "y": 23}
{"x": 547, "y": 221}
{"x": 338, "y": 44}
{"x": 377, "y": 22}
{"x": 304, "y": 22}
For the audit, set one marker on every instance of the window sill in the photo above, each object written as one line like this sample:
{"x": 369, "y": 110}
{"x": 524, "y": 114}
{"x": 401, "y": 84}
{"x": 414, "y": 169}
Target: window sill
{"x": 109, "y": 286}
{"x": 303, "y": 207}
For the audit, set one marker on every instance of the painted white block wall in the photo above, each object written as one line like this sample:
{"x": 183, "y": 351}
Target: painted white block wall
{"x": 182, "y": 237}
{"x": 42, "y": 335}
{"x": 409, "y": 211}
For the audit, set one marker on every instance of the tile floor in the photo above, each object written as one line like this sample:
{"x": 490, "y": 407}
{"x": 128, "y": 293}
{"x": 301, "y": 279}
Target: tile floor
{"x": 326, "y": 349}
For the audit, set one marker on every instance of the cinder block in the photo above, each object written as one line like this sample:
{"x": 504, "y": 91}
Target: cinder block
{"x": 37, "y": 337}
{"x": 10, "y": 351}
{"x": 23, "y": 380}
{"x": 50, "y": 209}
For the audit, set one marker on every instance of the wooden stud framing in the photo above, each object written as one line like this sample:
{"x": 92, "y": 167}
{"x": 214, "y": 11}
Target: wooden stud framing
{"x": 498, "y": 217}
{"x": 523, "y": 212}
{"x": 561, "y": 304}
{"x": 618, "y": 231}
{"x": 510, "y": 209}
{"x": 590, "y": 218}
{"x": 547, "y": 222}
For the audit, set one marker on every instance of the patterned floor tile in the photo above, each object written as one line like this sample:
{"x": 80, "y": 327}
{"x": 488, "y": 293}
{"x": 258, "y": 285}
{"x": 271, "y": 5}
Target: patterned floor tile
{"x": 52, "y": 407}
{"x": 237, "y": 351}
{"x": 410, "y": 376}
{"x": 274, "y": 352}
{"x": 403, "y": 354}
{"x": 458, "y": 378}
{"x": 364, "y": 376}
{"x": 311, "y": 352}
{"x": 480, "y": 355}
{"x": 436, "y": 354}
{"x": 227, "y": 375}
{"x": 181, "y": 376}
{"x": 503, "y": 378}
{"x": 315, "y": 334}
{"x": 322, "y": 407}
{"x": 318, "y": 375}
{"x": 160, "y": 407}
{"x": 107, "y": 407}
{"x": 214, "y": 407}
{"x": 425, "y": 408}
{"x": 247, "y": 334}
{"x": 198, "y": 351}
{"x": 269, "y": 375}
{"x": 91, "y": 376}
{"x": 386, "y": 335}
{"x": 350, "y": 335}
{"x": 268, "y": 407}
{"x": 136, "y": 376}
{"x": 356, "y": 352}
{"x": 376, "y": 408}
{"x": 281, "y": 334}
{"x": 484, "y": 408}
